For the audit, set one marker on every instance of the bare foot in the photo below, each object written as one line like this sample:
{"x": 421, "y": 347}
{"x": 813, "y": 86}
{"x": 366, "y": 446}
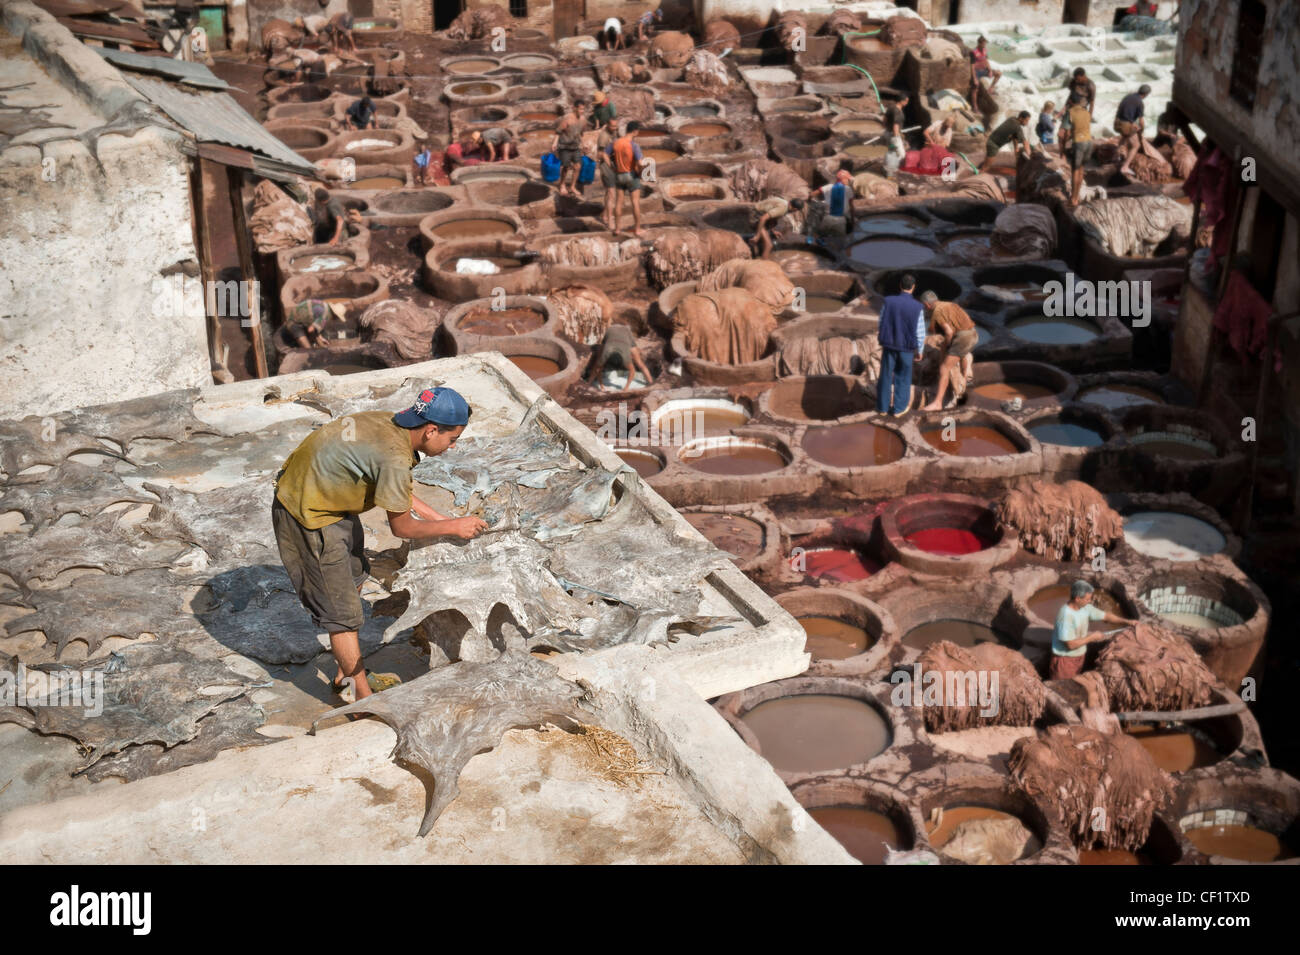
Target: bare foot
{"x": 638, "y": 232}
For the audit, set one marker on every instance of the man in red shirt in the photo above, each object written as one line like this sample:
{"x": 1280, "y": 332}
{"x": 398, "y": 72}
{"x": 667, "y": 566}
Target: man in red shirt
{"x": 980, "y": 68}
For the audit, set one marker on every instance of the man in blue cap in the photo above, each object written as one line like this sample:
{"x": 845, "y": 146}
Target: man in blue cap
{"x": 341, "y": 470}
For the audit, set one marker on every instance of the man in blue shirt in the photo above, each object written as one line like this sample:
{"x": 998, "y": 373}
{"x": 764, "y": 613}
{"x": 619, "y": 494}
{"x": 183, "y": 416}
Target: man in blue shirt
{"x": 1129, "y": 123}
{"x": 362, "y": 114}
{"x": 902, "y": 336}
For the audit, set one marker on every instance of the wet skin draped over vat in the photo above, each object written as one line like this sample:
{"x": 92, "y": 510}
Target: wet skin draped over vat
{"x": 817, "y": 732}
{"x": 953, "y": 816}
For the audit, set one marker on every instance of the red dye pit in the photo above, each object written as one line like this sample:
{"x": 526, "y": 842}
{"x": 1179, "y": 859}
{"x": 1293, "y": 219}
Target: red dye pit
{"x": 950, "y": 541}
{"x": 835, "y": 563}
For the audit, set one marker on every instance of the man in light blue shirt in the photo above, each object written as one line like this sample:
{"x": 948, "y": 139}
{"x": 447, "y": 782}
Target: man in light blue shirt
{"x": 1071, "y": 636}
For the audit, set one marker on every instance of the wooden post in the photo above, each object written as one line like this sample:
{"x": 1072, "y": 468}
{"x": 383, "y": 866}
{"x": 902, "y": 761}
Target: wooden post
{"x": 203, "y": 242}
{"x": 246, "y": 268}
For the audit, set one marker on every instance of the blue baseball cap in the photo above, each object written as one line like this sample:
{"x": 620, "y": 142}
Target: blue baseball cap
{"x": 442, "y": 406}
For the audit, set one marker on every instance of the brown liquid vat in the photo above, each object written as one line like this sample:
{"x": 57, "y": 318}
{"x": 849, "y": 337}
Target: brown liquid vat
{"x": 1037, "y": 385}
{"x": 749, "y": 532}
{"x": 993, "y": 793}
{"x": 355, "y": 289}
{"x": 841, "y": 604}
{"x": 1228, "y": 815}
{"x": 817, "y": 398}
{"x": 866, "y": 817}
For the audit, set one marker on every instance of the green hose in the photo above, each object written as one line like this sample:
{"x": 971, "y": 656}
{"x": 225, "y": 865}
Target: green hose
{"x": 845, "y": 62}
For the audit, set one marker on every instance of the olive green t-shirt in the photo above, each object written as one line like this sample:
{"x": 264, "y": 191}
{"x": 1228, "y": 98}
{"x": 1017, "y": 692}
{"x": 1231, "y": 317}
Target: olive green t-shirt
{"x": 348, "y": 466}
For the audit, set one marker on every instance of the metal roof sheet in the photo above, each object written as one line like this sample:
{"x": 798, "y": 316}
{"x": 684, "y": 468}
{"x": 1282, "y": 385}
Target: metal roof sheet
{"x": 191, "y": 74}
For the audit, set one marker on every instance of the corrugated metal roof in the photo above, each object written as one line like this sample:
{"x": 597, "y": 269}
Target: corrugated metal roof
{"x": 217, "y": 118}
{"x": 191, "y": 74}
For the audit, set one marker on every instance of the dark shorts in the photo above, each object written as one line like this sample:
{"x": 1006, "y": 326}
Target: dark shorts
{"x": 1079, "y": 154}
{"x": 607, "y": 177}
{"x": 982, "y": 71}
{"x": 963, "y": 343}
{"x": 569, "y": 157}
{"x": 628, "y": 181}
{"x": 326, "y": 567}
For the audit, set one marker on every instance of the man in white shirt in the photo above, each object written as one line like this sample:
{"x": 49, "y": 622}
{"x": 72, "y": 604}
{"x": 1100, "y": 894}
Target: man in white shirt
{"x": 614, "y": 39}
{"x": 1070, "y": 638}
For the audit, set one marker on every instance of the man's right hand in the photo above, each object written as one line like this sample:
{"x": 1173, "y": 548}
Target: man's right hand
{"x": 466, "y": 528}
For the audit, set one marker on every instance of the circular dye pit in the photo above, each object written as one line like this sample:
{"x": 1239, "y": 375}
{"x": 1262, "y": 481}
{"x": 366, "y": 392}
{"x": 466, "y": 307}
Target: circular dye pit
{"x": 1241, "y": 842}
{"x": 644, "y": 463}
{"x": 323, "y": 263}
{"x": 1113, "y": 857}
{"x": 887, "y": 225}
{"x": 964, "y": 633}
{"x": 502, "y": 263}
{"x": 1042, "y": 330}
{"x": 795, "y": 261}
{"x": 1175, "y": 445}
{"x": 506, "y": 321}
{"x": 817, "y": 732}
{"x": 866, "y": 151}
{"x": 834, "y": 563}
{"x": 858, "y": 127}
{"x": 378, "y": 182}
{"x": 472, "y": 228}
{"x": 853, "y": 445}
{"x": 1065, "y": 433}
{"x": 867, "y": 836}
{"x": 974, "y": 248}
{"x": 660, "y": 155}
{"x": 475, "y": 89}
{"x": 832, "y": 639}
{"x": 1175, "y": 748}
{"x": 535, "y": 366}
{"x": 357, "y": 145}
{"x": 471, "y": 67}
{"x": 540, "y": 117}
{"x": 1009, "y": 390}
{"x": 704, "y": 130}
{"x": 1120, "y": 396}
{"x": 741, "y": 537}
{"x": 969, "y": 440}
{"x": 1046, "y": 603}
{"x": 679, "y": 420}
{"x": 1016, "y": 291}
{"x": 954, "y": 816}
{"x": 733, "y": 457}
{"x": 948, "y": 541}
{"x": 890, "y": 253}
{"x": 1169, "y": 535}
{"x": 698, "y": 111}
{"x": 537, "y": 135}
{"x": 1178, "y": 607}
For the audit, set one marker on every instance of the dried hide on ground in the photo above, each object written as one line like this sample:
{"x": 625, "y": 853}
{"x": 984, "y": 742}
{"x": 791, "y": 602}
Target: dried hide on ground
{"x": 1133, "y": 226}
{"x": 1072, "y": 771}
{"x": 873, "y": 188}
{"x": 729, "y": 326}
{"x": 408, "y": 329}
{"x": 681, "y": 255}
{"x": 479, "y": 23}
{"x": 1025, "y": 229}
{"x": 1147, "y": 669}
{"x": 446, "y": 717}
{"x": 720, "y": 36}
{"x": 1018, "y": 696}
{"x": 277, "y": 221}
{"x": 1061, "y": 521}
{"x": 761, "y": 278}
{"x": 585, "y": 313}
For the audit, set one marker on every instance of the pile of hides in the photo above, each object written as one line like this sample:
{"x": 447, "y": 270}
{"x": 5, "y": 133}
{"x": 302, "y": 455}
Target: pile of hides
{"x": 278, "y": 35}
{"x": 585, "y": 313}
{"x": 479, "y": 23}
{"x": 1073, "y": 770}
{"x": 403, "y": 124}
{"x": 841, "y": 22}
{"x": 941, "y": 48}
{"x": 987, "y": 841}
{"x": 671, "y": 49}
{"x": 902, "y": 30}
{"x": 763, "y": 178}
{"x": 869, "y": 186}
{"x": 728, "y": 326}
{"x": 277, "y": 221}
{"x": 591, "y": 251}
{"x": 633, "y": 103}
{"x": 1149, "y": 166}
{"x": 808, "y": 355}
{"x": 1025, "y": 229}
{"x": 1042, "y": 177}
{"x": 925, "y": 162}
{"x": 761, "y": 278}
{"x": 1061, "y": 521}
{"x": 618, "y": 72}
{"x": 1148, "y": 669}
{"x": 789, "y": 27}
{"x": 680, "y": 255}
{"x": 721, "y": 36}
{"x": 983, "y": 187}
{"x": 706, "y": 71}
{"x": 1183, "y": 160}
{"x": 334, "y": 170}
{"x": 1019, "y": 695}
{"x": 1135, "y": 225}
{"x": 408, "y": 329}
